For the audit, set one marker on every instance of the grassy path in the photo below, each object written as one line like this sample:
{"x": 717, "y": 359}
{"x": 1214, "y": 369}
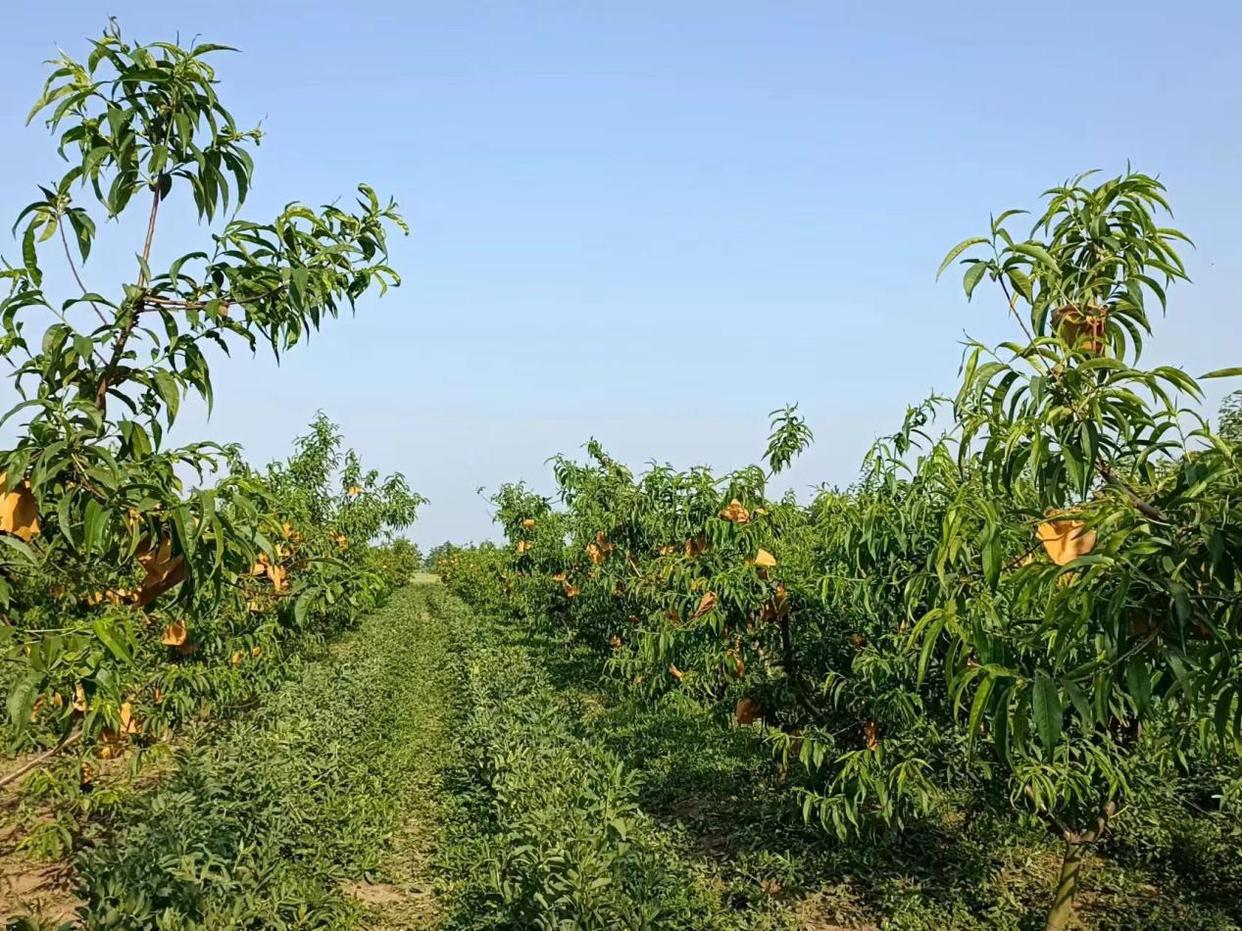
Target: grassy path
{"x": 318, "y": 811}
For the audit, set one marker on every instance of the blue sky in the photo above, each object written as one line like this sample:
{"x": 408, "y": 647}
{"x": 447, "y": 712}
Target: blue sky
{"x": 654, "y": 222}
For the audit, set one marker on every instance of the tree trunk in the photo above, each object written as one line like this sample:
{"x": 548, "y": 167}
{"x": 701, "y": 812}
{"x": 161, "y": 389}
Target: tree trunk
{"x": 1071, "y": 864}
{"x": 1067, "y": 887}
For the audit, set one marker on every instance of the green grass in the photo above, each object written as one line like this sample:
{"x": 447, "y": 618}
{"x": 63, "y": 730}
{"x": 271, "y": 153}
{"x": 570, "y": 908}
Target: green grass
{"x": 546, "y": 830}
{"x": 285, "y": 822}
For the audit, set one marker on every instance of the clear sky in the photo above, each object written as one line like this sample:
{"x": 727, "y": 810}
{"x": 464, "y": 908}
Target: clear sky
{"x": 655, "y": 222}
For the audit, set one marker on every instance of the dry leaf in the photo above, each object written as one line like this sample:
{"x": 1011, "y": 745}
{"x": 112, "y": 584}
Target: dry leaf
{"x": 765, "y": 560}
{"x": 601, "y": 549}
{"x": 735, "y": 513}
{"x": 174, "y": 634}
{"x": 529, "y": 523}
{"x": 706, "y": 603}
{"x": 869, "y": 734}
{"x": 1082, "y": 330}
{"x": 164, "y": 570}
{"x": 128, "y": 724}
{"x": 110, "y": 744}
{"x": 776, "y": 607}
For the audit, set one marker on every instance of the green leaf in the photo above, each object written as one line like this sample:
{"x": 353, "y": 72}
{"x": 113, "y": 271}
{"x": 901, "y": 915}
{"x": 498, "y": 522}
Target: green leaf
{"x": 972, "y": 277}
{"x": 977, "y": 708}
{"x": 21, "y": 700}
{"x": 1046, "y": 710}
{"x": 1224, "y": 373}
{"x": 105, "y": 630}
{"x": 30, "y": 256}
{"x": 1037, "y": 252}
{"x": 1138, "y": 680}
{"x": 954, "y": 252}
{"x": 1022, "y": 284}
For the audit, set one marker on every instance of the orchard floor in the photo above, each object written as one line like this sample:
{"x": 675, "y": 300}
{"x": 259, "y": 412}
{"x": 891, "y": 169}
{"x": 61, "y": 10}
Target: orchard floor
{"x": 438, "y": 770}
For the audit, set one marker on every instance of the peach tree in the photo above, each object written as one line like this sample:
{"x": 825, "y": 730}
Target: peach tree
{"x": 104, "y": 537}
{"x": 1086, "y": 597}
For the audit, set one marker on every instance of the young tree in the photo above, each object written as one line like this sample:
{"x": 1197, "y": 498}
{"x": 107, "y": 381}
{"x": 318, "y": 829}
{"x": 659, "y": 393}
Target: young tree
{"x": 94, "y": 497}
{"x": 1088, "y": 602}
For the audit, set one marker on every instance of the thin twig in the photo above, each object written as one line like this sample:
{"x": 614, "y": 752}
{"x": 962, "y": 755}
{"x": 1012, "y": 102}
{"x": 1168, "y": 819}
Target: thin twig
{"x": 146, "y": 246}
{"x": 42, "y": 758}
{"x": 1013, "y": 309}
{"x": 118, "y": 347}
{"x": 64, "y": 241}
{"x": 1147, "y": 510}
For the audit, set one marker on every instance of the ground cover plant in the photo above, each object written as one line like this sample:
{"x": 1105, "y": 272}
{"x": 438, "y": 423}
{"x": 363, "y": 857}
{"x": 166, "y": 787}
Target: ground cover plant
{"x": 283, "y": 821}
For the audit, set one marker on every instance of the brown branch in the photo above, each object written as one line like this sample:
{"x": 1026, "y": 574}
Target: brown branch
{"x": 1079, "y": 838}
{"x": 1013, "y": 309}
{"x": 118, "y": 347}
{"x": 225, "y": 302}
{"x": 1147, "y": 510}
{"x": 42, "y": 758}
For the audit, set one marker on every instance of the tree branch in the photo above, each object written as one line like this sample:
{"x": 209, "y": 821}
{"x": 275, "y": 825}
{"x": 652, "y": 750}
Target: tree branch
{"x": 42, "y": 758}
{"x": 64, "y": 241}
{"x": 1147, "y": 510}
{"x": 118, "y": 347}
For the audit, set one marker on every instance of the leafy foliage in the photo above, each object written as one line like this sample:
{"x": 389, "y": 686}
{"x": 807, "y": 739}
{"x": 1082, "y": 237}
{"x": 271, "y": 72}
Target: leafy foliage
{"x": 114, "y": 572}
{"x": 1037, "y": 607}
